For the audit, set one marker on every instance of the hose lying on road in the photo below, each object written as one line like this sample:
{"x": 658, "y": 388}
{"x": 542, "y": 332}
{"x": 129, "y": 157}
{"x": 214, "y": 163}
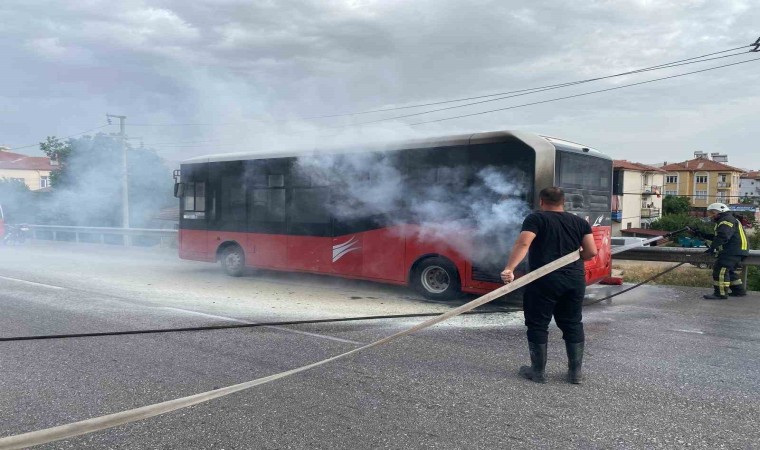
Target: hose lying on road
{"x": 132, "y": 415}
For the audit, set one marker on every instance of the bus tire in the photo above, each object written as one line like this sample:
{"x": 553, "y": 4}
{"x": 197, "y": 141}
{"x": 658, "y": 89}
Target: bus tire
{"x": 233, "y": 261}
{"x": 436, "y": 278}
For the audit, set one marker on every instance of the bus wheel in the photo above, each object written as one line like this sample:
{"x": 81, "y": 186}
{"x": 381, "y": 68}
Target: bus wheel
{"x": 233, "y": 261}
{"x": 437, "y": 279}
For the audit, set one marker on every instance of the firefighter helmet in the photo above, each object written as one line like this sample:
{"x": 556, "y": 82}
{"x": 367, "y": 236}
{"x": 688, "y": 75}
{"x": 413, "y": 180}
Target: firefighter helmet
{"x": 720, "y": 207}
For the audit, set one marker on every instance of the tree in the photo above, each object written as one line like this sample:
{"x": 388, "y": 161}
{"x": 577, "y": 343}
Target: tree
{"x": 88, "y": 186}
{"x": 672, "y": 204}
{"x": 16, "y": 200}
{"x": 57, "y": 151}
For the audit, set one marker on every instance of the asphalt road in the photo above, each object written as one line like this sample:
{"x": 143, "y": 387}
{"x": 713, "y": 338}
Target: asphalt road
{"x": 664, "y": 368}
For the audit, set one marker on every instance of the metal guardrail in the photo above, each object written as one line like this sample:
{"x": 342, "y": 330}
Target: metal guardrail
{"x": 679, "y": 254}
{"x": 102, "y": 235}
{"x": 695, "y": 256}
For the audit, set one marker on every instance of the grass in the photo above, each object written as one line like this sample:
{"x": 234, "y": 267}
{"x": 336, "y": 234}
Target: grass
{"x": 686, "y": 275}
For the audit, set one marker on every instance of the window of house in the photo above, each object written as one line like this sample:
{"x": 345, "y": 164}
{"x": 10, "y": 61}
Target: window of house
{"x": 671, "y": 179}
{"x": 671, "y": 193}
{"x": 700, "y": 179}
{"x": 701, "y": 195}
{"x": 44, "y": 182}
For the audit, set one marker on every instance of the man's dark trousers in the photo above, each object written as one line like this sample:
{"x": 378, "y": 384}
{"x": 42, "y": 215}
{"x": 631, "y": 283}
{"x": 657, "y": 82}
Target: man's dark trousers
{"x": 559, "y": 294}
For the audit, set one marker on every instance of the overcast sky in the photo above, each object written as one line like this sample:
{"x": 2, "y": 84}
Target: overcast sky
{"x": 248, "y": 73}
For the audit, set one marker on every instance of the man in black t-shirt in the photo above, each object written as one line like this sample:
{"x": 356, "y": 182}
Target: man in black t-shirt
{"x": 547, "y": 235}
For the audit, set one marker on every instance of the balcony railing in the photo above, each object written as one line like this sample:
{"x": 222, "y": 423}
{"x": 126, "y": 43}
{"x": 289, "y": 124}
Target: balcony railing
{"x": 650, "y": 189}
{"x": 724, "y": 184}
{"x": 649, "y": 213}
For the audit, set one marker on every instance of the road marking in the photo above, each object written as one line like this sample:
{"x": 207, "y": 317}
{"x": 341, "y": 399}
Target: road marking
{"x": 306, "y": 333}
{"x": 691, "y": 331}
{"x": 32, "y": 283}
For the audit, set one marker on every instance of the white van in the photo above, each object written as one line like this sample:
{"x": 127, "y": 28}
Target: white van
{"x": 620, "y": 241}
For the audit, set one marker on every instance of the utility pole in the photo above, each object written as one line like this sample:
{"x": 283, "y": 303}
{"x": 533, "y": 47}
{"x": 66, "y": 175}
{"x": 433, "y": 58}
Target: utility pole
{"x": 756, "y": 45}
{"x": 124, "y": 178}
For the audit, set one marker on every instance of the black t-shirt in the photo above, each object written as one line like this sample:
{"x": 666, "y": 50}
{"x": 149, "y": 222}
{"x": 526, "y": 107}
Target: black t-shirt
{"x": 557, "y": 234}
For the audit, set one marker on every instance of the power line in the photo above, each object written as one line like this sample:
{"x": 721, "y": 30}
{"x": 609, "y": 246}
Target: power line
{"x": 544, "y": 88}
{"x": 527, "y": 91}
{"x": 65, "y": 137}
{"x": 571, "y": 96}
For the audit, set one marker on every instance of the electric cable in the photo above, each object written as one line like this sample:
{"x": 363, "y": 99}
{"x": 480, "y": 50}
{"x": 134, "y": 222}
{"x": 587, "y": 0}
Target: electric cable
{"x": 692, "y": 60}
{"x": 65, "y": 137}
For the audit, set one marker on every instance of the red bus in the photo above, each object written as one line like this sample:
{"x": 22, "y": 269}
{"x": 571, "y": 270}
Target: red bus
{"x": 438, "y": 215}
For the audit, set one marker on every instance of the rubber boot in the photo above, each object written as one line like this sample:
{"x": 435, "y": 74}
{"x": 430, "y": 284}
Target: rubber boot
{"x": 574, "y": 362}
{"x": 716, "y": 295}
{"x": 737, "y": 290}
{"x": 537, "y": 369}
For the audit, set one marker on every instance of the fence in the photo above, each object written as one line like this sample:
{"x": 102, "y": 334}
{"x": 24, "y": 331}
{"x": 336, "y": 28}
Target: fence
{"x": 105, "y": 235}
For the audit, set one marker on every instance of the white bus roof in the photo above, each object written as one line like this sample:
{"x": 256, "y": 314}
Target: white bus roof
{"x": 421, "y": 143}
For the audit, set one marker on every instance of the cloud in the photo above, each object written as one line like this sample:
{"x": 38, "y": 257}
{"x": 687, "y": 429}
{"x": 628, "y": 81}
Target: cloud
{"x": 250, "y": 66}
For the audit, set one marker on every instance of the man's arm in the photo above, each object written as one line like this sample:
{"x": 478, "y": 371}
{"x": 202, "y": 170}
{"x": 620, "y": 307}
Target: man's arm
{"x": 588, "y": 247}
{"x": 519, "y": 250}
{"x": 722, "y": 234}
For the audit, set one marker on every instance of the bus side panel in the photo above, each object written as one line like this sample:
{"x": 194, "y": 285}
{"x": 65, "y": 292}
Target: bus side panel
{"x": 600, "y": 266}
{"x": 193, "y": 245}
{"x": 217, "y": 238}
{"x": 267, "y": 250}
{"x": 308, "y": 253}
{"x": 348, "y": 254}
{"x": 419, "y": 244}
{"x": 383, "y": 255}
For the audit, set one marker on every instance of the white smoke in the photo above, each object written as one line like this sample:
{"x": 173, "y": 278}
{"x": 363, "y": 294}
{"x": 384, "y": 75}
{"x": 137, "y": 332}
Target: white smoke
{"x": 478, "y": 213}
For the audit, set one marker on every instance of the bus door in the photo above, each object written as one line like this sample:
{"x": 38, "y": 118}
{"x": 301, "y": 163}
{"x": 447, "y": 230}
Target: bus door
{"x": 310, "y": 240}
{"x": 227, "y": 216}
{"x": 267, "y": 243}
{"x": 193, "y": 224}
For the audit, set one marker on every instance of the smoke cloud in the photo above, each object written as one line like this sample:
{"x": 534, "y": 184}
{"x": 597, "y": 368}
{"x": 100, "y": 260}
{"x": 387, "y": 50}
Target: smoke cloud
{"x": 478, "y": 211}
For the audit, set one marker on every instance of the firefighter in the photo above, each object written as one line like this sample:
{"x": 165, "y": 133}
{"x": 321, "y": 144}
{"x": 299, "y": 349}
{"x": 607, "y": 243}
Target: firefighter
{"x": 729, "y": 244}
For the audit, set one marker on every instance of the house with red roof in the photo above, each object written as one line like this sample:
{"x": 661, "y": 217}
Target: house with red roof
{"x": 705, "y": 179}
{"x": 636, "y": 195}
{"x": 33, "y": 171}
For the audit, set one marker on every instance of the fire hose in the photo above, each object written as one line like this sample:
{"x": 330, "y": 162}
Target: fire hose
{"x": 124, "y": 417}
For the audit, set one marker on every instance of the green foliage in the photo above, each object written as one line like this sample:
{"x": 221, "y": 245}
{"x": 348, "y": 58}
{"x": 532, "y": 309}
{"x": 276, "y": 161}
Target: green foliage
{"x": 675, "y": 222}
{"x": 57, "y": 151}
{"x": 88, "y": 185}
{"x": 16, "y": 200}
{"x": 672, "y": 204}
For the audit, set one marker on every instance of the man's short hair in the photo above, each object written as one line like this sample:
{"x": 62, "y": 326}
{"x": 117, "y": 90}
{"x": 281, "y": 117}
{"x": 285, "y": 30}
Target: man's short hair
{"x": 553, "y": 196}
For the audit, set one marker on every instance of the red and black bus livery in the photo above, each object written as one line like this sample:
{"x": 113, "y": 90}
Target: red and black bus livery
{"x": 260, "y": 211}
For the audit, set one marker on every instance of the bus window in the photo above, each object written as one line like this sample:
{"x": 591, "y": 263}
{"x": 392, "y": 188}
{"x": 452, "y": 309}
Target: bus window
{"x": 194, "y": 201}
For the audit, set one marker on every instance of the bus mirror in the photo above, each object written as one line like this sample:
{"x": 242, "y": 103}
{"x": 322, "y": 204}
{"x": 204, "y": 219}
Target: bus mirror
{"x": 179, "y": 189}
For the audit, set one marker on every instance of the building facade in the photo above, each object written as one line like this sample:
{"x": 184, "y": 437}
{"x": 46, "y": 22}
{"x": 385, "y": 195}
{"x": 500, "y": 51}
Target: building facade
{"x": 33, "y": 171}
{"x": 749, "y": 187}
{"x": 705, "y": 179}
{"x": 637, "y": 195}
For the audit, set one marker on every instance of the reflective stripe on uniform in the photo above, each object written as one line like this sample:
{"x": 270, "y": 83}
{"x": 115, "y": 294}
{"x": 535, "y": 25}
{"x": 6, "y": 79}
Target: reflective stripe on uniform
{"x": 722, "y": 283}
{"x": 725, "y": 222}
{"x": 743, "y": 238}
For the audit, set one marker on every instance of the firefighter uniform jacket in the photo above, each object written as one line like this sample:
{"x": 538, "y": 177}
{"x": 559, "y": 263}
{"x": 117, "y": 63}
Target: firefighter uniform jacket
{"x": 729, "y": 238}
